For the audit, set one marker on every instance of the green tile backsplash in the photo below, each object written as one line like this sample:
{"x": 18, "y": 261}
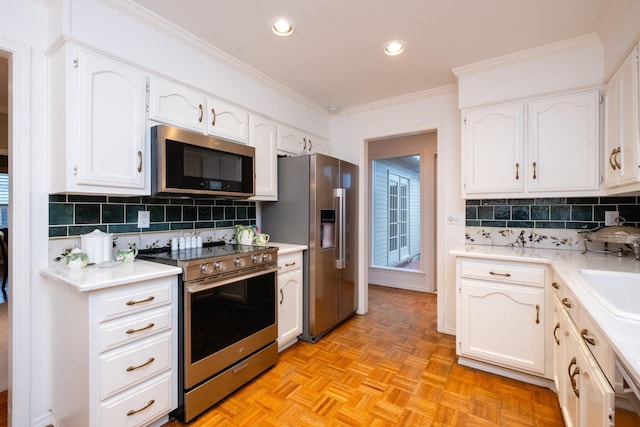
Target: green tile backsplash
{"x": 560, "y": 213}
{"x": 72, "y": 215}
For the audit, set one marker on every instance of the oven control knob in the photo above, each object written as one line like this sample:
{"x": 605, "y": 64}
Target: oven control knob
{"x": 240, "y": 262}
{"x": 267, "y": 257}
{"x": 257, "y": 259}
{"x": 220, "y": 266}
{"x": 206, "y": 269}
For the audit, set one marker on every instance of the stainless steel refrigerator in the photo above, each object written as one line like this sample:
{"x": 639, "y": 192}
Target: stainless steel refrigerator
{"x": 317, "y": 207}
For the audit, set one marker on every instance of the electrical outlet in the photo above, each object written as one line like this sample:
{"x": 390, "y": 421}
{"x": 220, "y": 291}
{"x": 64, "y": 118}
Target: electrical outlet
{"x": 610, "y": 217}
{"x": 143, "y": 219}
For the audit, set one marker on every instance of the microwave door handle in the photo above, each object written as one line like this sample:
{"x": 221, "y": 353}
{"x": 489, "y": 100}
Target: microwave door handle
{"x": 339, "y": 194}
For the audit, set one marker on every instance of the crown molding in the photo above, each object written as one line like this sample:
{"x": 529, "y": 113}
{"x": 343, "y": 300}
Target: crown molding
{"x": 451, "y": 89}
{"x": 161, "y": 24}
{"x": 589, "y": 40}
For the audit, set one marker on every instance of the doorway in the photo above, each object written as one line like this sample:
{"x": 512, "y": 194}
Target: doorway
{"x": 402, "y": 194}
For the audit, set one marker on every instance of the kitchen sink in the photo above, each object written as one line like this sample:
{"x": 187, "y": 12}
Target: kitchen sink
{"x": 618, "y": 292}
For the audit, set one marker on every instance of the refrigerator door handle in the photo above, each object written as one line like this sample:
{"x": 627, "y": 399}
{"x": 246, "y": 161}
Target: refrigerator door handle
{"x": 340, "y": 194}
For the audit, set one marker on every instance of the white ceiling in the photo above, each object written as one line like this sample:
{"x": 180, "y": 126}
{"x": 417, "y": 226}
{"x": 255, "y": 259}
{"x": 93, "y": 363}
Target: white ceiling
{"x": 335, "y": 58}
{"x": 335, "y": 55}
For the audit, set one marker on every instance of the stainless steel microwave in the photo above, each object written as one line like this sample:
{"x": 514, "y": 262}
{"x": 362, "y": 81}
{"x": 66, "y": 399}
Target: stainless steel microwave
{"x": 191, "y": 164}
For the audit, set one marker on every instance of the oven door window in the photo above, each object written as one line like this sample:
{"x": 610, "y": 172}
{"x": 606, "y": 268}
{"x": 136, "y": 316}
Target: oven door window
{"x": 226, "y": 314}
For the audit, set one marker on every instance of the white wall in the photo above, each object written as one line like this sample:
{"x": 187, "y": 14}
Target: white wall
{"x": 439, "y": 110}
{"x": 572, "y": 64}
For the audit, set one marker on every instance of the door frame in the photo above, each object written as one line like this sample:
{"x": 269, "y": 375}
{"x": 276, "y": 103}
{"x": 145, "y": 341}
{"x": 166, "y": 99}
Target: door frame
{"x": 19, "y": 317}
{"x": 412, "y": 280}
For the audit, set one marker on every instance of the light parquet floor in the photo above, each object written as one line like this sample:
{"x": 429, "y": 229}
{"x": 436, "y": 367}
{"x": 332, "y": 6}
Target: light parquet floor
{"x": 386, "y": 368}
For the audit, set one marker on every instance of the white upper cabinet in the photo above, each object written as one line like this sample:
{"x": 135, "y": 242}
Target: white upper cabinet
{"x": 176, "y": 105}
{"x": 185, "y": 108}
{"x": 227, "y": 121}
{"x": 563, "y": 143}
{"x": 262, "y": 136}
{"x": 542, "y": 147}
{"x": 291, "y": 141}
{"x": 98, "y": 125}
{"x": 294, "y": 142}
{"x": 621, "y": 162}
{"x": 493, "y": 139}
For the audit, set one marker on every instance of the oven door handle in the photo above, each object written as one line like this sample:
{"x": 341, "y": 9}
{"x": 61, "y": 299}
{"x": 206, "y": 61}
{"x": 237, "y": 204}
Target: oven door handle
{"x": 199, "y": 287}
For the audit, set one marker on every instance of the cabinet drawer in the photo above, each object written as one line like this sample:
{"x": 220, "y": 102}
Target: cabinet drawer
{"x": 596, "y": 342}
{"x": 139, "y": 406}
{"x": 503, "y": 272}
{"x": 132, "y": 328}
{"x": 289, "y": 262}
{"x": 133, "y": 364}
{"x": 135, "y": 298}
{"x": 568, "y": 300}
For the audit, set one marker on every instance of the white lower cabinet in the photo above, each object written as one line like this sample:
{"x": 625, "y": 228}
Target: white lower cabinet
{"x": 289, "y": 299}
{"x": 114, "y": 353}
{"x": 583, "y": 361}
{"x": 501, "y": 315}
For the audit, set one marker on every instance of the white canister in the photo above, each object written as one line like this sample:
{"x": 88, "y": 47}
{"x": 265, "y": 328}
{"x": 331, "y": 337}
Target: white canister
{"x": 97, "y": 245}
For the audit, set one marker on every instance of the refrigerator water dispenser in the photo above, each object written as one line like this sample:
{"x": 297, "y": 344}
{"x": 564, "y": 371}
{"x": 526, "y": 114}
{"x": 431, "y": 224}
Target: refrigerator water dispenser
{"x": 327, "y": 228}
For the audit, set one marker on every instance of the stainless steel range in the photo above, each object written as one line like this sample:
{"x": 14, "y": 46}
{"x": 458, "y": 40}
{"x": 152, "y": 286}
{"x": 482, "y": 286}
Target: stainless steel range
{"x": 228, "y": 319}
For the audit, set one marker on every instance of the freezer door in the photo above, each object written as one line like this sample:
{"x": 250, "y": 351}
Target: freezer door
{"x": 324, "y": 286}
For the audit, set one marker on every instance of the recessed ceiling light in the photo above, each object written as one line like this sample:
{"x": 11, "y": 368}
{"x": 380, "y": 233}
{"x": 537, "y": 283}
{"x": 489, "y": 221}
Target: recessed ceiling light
{"x": 393, "y": 48}
{"x": 282, "y": 27}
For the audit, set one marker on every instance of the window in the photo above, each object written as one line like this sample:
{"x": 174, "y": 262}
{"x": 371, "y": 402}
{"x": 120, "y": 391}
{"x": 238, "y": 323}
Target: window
{"x": 398, "y": 212}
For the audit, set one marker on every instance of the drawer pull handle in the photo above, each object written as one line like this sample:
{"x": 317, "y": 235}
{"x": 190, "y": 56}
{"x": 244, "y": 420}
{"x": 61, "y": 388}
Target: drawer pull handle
{"x": 133, "y": 331}
{"x": 238, "y": 368}
{"x": 537, "y": 314}
{"x": 566, "y": 303}
{"x": 584, "y": 333}
{"x": 517, "y": 171}
{"x": 281, "y": 296}
{"x": 555, "y": 285}
{"x": 290, "y": 264}
{"x": 133, "y": 368}
{"x": 572, "y": 376}
{"x": 555, "y": 337}
{"x": 213, "y": 117}
{"x": 201, "y": 113}
{"x": 135, "y": 411}
{"x": 151, "y": 298}
{"x": 493, "y": 273}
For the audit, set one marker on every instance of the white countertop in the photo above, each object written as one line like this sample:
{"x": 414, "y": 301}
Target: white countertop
{"x": 287, "y": 248}
{"x": 622, "y": 333}
{"x": 96, "y": 277}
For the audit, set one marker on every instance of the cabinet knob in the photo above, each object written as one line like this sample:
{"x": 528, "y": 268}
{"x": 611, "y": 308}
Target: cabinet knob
{"x": 566, "y": 303}
{"x": 555, "y": 285}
